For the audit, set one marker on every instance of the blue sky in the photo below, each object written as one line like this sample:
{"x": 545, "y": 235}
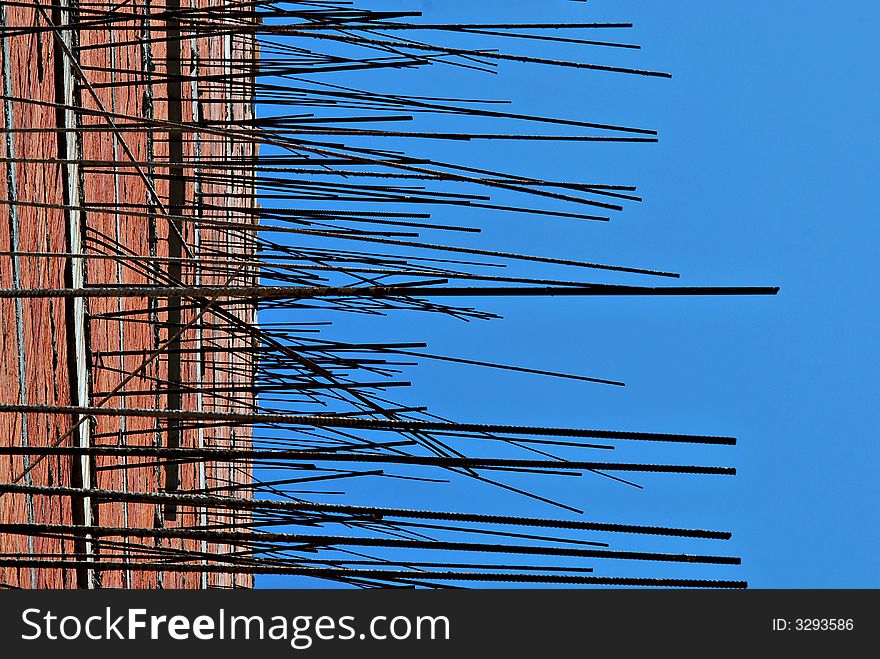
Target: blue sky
{"x": 763, "y": 175}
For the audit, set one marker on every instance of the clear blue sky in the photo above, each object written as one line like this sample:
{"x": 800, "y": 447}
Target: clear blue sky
{"x": 763, "y": 175}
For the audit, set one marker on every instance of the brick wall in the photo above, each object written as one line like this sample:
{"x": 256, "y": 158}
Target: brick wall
{"x": 125, "y": 179}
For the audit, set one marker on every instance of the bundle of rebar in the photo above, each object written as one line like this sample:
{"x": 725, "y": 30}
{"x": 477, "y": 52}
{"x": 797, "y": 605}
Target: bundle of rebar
{"x": 197, "y": 198}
